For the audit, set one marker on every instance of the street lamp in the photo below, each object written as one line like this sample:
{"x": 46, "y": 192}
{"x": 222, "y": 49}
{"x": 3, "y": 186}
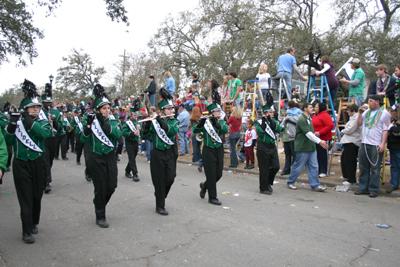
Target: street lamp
{"x": 51, "y": 77}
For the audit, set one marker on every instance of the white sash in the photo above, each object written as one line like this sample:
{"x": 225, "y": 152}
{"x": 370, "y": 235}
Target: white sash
{"x": 268, "y": 129}
{"x": 99, "y": 133}
{"x": 131, "y": 125}
{"x": 211, "y": 131}
{"x": 42, "y": 116}
{"x": 25, "y": 139}
{"x": 66, "y": 120}
{"x": 111, "y": 117}
{"x": 162, "y": 134}
{"x": 78, "y": 122}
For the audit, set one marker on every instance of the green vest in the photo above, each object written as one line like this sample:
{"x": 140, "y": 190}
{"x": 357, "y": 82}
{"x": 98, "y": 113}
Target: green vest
{"x": 263, "y": 136}
{"x": 157, "y": 142}
{"x": 3, "y": 153}
{"x": 38, "y": 133}
{"x": 207, "y": 139}
{"x": 96, "y": 145}
{"x": 126, "y": 131}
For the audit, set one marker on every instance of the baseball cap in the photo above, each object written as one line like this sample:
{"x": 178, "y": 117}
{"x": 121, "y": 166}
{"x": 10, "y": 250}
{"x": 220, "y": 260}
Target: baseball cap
{"x": 355, "y": 60}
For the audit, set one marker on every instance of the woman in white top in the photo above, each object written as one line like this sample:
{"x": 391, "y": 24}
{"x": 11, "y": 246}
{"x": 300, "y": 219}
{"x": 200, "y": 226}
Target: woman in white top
{"x": 264, "y": 79}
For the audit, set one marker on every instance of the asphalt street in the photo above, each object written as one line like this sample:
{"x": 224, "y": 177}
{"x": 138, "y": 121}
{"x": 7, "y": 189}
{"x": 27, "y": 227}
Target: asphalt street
{"x": 289, "y": 228}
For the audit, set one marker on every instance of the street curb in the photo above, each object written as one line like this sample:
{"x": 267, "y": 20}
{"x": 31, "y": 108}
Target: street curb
{"x": 300, "y": 180}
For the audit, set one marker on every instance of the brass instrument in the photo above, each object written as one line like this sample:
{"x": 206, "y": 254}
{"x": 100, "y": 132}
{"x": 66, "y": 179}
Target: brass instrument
{"x": 151, "y": 119}
{"x": 200, "y": 137}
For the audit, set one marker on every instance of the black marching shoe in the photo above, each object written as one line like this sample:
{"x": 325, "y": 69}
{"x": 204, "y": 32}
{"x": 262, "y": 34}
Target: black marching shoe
{"x": 214, "y": 201}
{"x": 102, "y": 223}
{"x": 266, "y": 192}
{"x": 200, "y": 169}
{"x": 270, "y": 188}
{"x": 28, "y": 238}
{"x": 128, "y": 175}
{"x": 136, "y": 178}
{"x": 78, "y": 163}
{"x": 35, "y": 230}
{"x": 161, "y": 211}
{"x": 251, "y": 166}
{"x": 47, "y": 189}
{"x": 65, "y": 158}
{"x": 88, "y": 178}
{"x": 202, "y": 190}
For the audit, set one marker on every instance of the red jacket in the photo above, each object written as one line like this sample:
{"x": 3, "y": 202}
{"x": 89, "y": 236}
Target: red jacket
{"x": 323, "y": 124}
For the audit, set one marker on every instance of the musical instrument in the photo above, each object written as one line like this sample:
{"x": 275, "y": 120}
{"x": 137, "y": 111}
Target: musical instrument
{"x": 19, "y": 114}
{"x": 200, "y": 137}
{"x": 151, "y": 119}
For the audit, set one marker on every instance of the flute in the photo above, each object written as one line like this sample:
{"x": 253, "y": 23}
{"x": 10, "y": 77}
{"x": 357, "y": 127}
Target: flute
{"x": 150, "y": 119}
{"x": 18, "y": 114}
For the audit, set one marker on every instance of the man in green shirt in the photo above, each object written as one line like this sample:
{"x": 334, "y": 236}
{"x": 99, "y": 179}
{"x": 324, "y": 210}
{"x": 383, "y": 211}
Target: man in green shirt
{"x": 235, "y": 86}
{"x": 356, "y": 83}
{"x": 306, "y": 151}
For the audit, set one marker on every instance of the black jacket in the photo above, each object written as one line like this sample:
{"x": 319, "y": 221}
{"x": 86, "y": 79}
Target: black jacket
{"x": 394, "y": 137}
{"x": 152, "y": 88}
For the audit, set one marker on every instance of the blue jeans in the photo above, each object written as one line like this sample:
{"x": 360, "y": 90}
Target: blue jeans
{"x": 359, "y": 100}
{"x": 143, "y": 146}
{"x": 153, "y": 100}
{"x": 239, "y": 102}
{"x": 233, "y": 139}
{"x": 189, "y": 104}
{"x": 308, "y": 159}
{"x": 149, "y": 148}
{"x": 183, "y": 143}
{"x": 201, "y": 163}
{"x": 369, "y": 174}
{"x": 394, "y": 167}
{"x": 196, "y": 149}
{"x": 288, "y": 79}
{"x": 241, "y": 156}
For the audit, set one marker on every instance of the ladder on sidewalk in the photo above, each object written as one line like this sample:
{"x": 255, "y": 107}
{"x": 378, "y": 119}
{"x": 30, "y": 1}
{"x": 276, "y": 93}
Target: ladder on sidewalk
{"x": 252, "y": 87}
{"x": 337, "y": 136}
{"x": 277, "y": 89}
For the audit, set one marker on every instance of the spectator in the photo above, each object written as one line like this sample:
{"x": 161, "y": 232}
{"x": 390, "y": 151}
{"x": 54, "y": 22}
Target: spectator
{"x": 234, "y": 122}
{"x": 384, "y": 81}
{"x": 394, "y": 148}
{"x": 306, "y": 154}
{"x": 249, "y": 143}
{"x": 323, "y": 126}
{"x": 170, "y": 87}
{"x": 285, "y": 64}
{"x": 264, "y": 80}
{"x": 289, "y": 134}
{"x": 235, "y": 85}
{"x": 329, "y": 71}
{"x": 131, "y": 99}
{"x": 202, "y": 105}
{"x": 194, "y": 119}
{"x": 183, "y": 119}
{"x": 177, "y": 101}
{"x": 216, "y": 92}
{"x": 396, "y": 86}
{"x": 351, "y": 142}
{"x": 151, "y": 90}
{"x": 241, "y": 154}
{"x": 189, "y": 103}
{"x": 295, "y": 94}
{"x": 225, "y": 89}
{"x": 356, "y": 89}
{"x": 81, "y": 102}
{"x": 375, "y": 134}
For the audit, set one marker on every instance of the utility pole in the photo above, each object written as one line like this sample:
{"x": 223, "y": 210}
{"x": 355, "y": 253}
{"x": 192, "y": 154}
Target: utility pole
{"x": 123, "y": 70}
{"x": 311, "y": 39}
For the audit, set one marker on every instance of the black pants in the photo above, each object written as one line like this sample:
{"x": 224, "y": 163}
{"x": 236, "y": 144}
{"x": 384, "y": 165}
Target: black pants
{"x": 104, "y": 176}
{"x": 78, "y": 148}
{"x": 71, "y": 140}
{"x": 268, "y": 163}
{"x": 163, "y": 172}
{"x": 322, "y": 156}
{"x": 132, "y": 149}
{"x": 213, "y": 162}
{"x": 50, "y": 145}
{"x": 348, "y": 161}
{"x": 30, "y": 181}
{"x": 290, "y": 155}
{"x": 86, "y": 154}
{"x": 10, "y": 153}
{"x": 61, "y": 141}
{"x": 118, "y": 149}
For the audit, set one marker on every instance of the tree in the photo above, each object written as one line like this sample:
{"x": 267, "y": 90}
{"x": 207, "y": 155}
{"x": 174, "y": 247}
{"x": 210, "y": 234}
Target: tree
{"x": 79, "y": 75}
{"x": 18, "y": 33}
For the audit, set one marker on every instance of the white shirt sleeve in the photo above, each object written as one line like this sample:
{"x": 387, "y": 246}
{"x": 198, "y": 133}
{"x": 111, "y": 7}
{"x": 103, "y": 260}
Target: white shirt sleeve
{"x": 326, "y": 67}
{"x": 313, "y": 137}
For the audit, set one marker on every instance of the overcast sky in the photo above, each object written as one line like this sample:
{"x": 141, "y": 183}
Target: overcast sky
{"x": 84, "y": 24}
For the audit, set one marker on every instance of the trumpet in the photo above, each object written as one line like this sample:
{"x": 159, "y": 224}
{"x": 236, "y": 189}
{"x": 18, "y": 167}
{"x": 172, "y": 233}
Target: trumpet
{"x": 151, "y": 119}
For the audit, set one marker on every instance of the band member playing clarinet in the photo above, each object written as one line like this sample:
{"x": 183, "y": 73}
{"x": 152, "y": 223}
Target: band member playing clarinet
{"x": 27, "y": 135}
{"x": 165, "y": 150}
{"x": 101, "y": 133}
{"x": 213, "y": 151}
{"x": 267, "y": 154}
{"x": 131, "y": 132}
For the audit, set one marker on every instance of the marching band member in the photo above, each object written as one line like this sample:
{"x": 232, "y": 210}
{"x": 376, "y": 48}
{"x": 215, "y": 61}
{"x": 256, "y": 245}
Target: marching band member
{"x": 213, "y": 151}
{"x": 62, "y": 138}
{"x": 101, "y": 133}
{"x": 28, "y": 135}
{"x": 165, "y": 150}
{"x": 115, "y": 116}
{"x": 131, "y": 132}
{"x": 267, "y": 154}
{"x": 4, "y": 120}
{"x": 52, "y": 116}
